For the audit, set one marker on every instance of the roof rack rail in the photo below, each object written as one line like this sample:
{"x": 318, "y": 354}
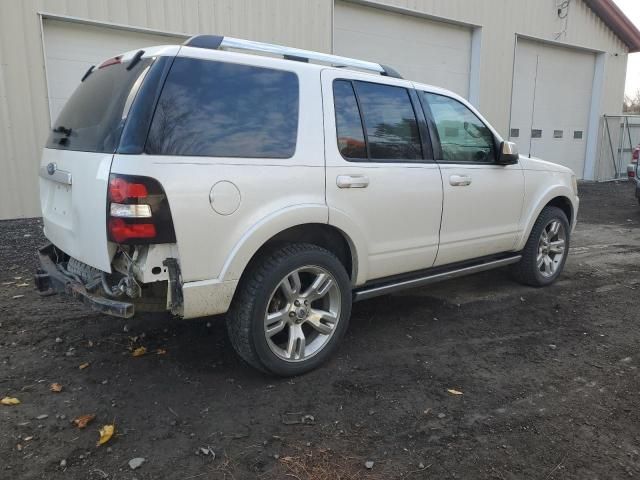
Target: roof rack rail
{"x": 217, "y": 42}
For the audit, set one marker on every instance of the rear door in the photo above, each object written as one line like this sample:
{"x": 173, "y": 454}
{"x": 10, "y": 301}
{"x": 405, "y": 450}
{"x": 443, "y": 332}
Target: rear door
{"x": 380, "y": 174}
{"x": 74, "y": 171}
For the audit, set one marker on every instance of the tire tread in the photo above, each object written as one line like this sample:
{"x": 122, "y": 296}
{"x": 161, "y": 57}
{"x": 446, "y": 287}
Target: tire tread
{"x": 240, "y": 314}
{"x": 523, "y": 271}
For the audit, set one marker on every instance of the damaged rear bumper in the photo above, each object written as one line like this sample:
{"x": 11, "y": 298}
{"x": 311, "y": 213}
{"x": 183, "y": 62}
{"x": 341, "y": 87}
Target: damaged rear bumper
{"x": 52, "y": 278}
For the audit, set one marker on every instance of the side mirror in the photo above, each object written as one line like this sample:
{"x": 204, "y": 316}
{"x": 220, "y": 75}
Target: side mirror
{"x": 508, "y": 154}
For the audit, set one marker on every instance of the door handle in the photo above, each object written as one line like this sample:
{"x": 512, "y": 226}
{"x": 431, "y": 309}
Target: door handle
{"x": 460, "y": 180}
{"x": 352, "y": 181}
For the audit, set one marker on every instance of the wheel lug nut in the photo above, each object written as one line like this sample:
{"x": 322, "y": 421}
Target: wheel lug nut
{"x": 296, "y": 303}
{"x": 292, "y": 314}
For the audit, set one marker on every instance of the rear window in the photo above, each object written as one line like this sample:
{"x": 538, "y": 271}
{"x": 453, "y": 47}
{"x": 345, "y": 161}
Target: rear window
{"x": 218, "y": 109}
{"x": 93, "y": 118}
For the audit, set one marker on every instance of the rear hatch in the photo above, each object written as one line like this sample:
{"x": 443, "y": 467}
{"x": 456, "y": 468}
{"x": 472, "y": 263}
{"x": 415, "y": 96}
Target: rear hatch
{"x": 74, "y": 171}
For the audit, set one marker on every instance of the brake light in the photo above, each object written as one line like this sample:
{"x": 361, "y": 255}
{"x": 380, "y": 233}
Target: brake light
{"x": 121, "y": 190}
{"x": 111, "y": 61}
{"x": 121, "y": 231}
{"x": 138, "y": 211}
{"x": 631, "y": 173}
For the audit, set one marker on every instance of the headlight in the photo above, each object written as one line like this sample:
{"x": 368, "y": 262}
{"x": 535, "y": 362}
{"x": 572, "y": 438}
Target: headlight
{"x": 574, "y": 184}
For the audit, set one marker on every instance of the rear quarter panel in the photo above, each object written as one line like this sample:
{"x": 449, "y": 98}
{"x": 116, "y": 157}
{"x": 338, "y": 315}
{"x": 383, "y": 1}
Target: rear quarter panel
{"x": 273, "y": 192}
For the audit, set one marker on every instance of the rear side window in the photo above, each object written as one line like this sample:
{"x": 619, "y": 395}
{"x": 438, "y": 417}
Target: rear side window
{"x": 93, "y": 118}
{"x": 219, "y": 109}
{"x": 351, "y": 141}
{"x": 390, "y": 122}
{"x": 375, "y": 122}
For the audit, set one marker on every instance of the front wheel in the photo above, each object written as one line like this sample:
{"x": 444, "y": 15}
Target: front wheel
{"x": 545, "y": 253}
{"x": 291, "y": 311}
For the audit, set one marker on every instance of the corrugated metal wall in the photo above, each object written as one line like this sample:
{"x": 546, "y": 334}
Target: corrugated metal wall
{"x": 24, "y": 114}
{"x": 302, "y": 23}
{"x": 501, "y": 20}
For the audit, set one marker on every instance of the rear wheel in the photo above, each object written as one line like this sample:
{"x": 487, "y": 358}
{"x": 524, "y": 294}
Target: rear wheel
{"x": 545, "y": 253}
{"x": 291, "y": 311}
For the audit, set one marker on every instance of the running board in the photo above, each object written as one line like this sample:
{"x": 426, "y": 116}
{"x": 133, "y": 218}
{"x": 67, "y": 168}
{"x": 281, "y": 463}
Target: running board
{"x": 394, "y": 286}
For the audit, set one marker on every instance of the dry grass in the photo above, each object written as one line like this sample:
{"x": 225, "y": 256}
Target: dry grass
{"x": 323, "y": 464}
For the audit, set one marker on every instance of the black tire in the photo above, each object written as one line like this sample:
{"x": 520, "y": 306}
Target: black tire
{"x": 246, "y": 317}
{"x": 526, "y": 271}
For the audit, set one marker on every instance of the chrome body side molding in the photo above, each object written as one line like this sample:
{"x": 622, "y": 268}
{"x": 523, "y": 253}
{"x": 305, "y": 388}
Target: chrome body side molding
{"x": 425, "y": 279}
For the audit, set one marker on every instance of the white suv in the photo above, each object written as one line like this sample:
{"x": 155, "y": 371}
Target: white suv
{"x": 201, "y": 180}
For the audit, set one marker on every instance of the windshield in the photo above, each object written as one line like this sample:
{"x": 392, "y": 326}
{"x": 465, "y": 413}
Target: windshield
{"x": 93, "y": 118}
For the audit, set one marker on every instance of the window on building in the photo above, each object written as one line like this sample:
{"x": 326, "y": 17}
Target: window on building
{"x": 219, "y": 109}
{"x": 463, "y": 136}
{"x": 351, "y": 142}
{"x": 577, "y": 134}
{"x": 536, "y": 133}
{"x": 515, "y": 133}
{"x": 390, "y": 122}
{"x": 558, "y": 133}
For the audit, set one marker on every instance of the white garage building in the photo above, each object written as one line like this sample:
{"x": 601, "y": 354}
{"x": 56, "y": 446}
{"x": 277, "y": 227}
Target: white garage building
{"x": 543, "y": 71}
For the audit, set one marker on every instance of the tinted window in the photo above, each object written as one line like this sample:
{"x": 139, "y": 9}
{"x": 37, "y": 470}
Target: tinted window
{"x": 351, "y": 141}
{"x": 463, "y": 137}
{"x": 93, "y": 118}
{"x": 390, "y": 122}
{"x": 222, "y": 109}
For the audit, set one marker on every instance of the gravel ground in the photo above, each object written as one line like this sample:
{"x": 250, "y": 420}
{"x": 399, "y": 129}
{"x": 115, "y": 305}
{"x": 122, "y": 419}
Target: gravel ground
{"x": 549, "y": 379}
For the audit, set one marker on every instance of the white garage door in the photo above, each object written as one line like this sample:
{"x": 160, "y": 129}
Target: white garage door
{"x": 71, "y": 48}
{"x": 551, "y": 101}
{"x": 422, "y": 50}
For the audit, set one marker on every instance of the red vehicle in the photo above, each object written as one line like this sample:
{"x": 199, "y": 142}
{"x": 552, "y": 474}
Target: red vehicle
{"x": 633, "y": 166}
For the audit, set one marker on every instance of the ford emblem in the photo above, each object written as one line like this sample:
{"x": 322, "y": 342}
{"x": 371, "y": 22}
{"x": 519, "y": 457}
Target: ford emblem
{"x": 51, "y": 168}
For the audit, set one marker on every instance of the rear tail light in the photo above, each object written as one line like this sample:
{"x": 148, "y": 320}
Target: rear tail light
{"x": 631, "y": 173}
{"x": 138, "y": 211}
{"x": 635, "y": 155}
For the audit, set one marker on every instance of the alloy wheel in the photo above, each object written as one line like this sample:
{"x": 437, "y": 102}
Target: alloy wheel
{"x": 551, "y": 248}
{"x": 302, "y": 313}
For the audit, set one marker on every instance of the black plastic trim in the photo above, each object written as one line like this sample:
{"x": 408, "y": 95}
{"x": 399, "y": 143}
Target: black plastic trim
{"x": 136, "y": 58}
{"x": 87, "y": 73}
{"x": 423, "y": 129}
{"x": 138, "y": 123}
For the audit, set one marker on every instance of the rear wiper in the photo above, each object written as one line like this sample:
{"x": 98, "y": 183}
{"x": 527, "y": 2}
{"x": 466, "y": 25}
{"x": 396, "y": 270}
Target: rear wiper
{"x": 64, "y": 130}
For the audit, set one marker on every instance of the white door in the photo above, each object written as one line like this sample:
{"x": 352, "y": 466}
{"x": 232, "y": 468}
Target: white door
{"x": 71, "y": 48}
{"x": 482, "y": 200}
{"x": 552, "y": 94}
{"x": 376, "y": 175}
{"x": 422, "y": 50}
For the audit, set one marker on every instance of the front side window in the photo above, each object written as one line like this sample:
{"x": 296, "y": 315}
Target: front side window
{"x": 463, "y": 136}
{"x": 218, "y": 109}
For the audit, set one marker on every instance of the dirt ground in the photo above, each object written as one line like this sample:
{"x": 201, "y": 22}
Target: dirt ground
{"x": 549, "y": 379}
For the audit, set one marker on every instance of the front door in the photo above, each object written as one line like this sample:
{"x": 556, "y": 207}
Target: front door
{"x": 380, "y": 175}
{"x": 482, "y": 200}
